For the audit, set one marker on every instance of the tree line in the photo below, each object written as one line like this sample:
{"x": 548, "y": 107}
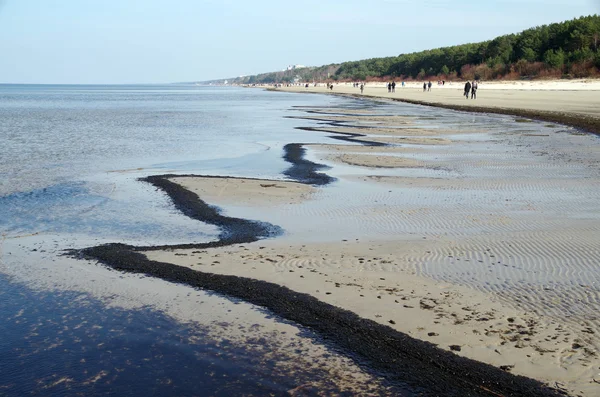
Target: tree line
{"x": 567, "y": 49}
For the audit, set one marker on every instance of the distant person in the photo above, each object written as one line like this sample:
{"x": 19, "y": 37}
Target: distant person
{"x": 467, "y": 89}
{"x": 443, "y": 82}
{"x": 429, "y": 86}
{"x": 331, "y": 87}
{"x": 393, "y": 86}
{"x": 424, "y": 86}
{"x": 389, "y": 87}
{"x": 474, "y": 88}
{"x": 403, "y": 84}
{"x": 362, "y": 88}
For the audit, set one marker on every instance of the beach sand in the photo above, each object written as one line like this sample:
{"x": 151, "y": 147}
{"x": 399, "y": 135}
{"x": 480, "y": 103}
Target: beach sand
{"x": 494, "y": 258}
{"x": 246, "y": 191}
{"x": 579, "y": 97}
{"x": 376, "y": 161}
{"x": 374, "y": 280}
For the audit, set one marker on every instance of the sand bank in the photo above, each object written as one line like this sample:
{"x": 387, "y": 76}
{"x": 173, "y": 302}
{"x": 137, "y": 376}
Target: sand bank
{"x": 400, "y": 140}
{"x": 376, "y": 161}
{"x": 246, "y": 191}
{"x": 348, "y": 149}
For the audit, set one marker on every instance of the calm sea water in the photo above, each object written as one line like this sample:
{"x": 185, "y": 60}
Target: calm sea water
{"x": 74, "y": 150}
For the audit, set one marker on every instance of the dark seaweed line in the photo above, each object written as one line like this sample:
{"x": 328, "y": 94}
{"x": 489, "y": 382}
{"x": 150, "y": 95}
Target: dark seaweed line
{"x": 401, "y": 358}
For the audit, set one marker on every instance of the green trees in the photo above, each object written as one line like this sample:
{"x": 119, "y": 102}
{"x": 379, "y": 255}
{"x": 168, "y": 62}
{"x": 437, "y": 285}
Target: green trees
{"x": 570, "y": 47}
{"x": 554, "y": 59}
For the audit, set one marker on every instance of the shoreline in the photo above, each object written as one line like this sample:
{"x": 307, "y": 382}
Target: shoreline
{"x": 577, "y": 120}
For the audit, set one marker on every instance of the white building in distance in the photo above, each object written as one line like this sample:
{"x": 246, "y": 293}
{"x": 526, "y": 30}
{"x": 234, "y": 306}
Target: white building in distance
{"x": 294, "y": 67}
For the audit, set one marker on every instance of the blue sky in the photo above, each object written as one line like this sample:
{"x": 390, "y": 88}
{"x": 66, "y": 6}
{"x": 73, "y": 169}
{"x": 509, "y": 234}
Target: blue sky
{"x": 154, "y": 41}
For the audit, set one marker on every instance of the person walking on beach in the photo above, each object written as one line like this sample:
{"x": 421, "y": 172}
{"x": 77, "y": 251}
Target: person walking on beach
{"x": 424, "y": 86}
{"x": 389, "y": 87}
{"x": 429, "y": 86}
{"x": 403, "y": 84}
{"x": 467, "y": 89}
{"x": 393, "y": 86}
{"x": 362, "y": 88}
{"x": 474, "y": 90}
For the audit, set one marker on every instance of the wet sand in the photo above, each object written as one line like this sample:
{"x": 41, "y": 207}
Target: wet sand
{"x": 492, "y": 259}
{"x": 376, "y": 161}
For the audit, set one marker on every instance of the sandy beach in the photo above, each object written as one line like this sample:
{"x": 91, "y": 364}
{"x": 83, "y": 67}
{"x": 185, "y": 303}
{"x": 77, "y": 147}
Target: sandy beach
{"x": 569, "y": 99}
{"x": 480, "y": 238}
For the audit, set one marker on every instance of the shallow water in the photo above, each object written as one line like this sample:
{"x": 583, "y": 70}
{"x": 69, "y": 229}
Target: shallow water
{"x": 69, "y": 151}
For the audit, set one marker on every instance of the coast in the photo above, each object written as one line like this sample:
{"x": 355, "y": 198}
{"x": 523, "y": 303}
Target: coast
{"x": 575, "y": 103}
{"x": 455, "y": 242}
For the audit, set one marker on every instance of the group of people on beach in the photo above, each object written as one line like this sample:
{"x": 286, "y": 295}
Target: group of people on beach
{"x": 472, "y": 88}
{"x": 359, "y": 85}
{"x": 391, "y": 86}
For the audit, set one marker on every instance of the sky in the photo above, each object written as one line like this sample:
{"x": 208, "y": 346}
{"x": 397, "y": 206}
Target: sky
{"x": 154, "y": 41}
